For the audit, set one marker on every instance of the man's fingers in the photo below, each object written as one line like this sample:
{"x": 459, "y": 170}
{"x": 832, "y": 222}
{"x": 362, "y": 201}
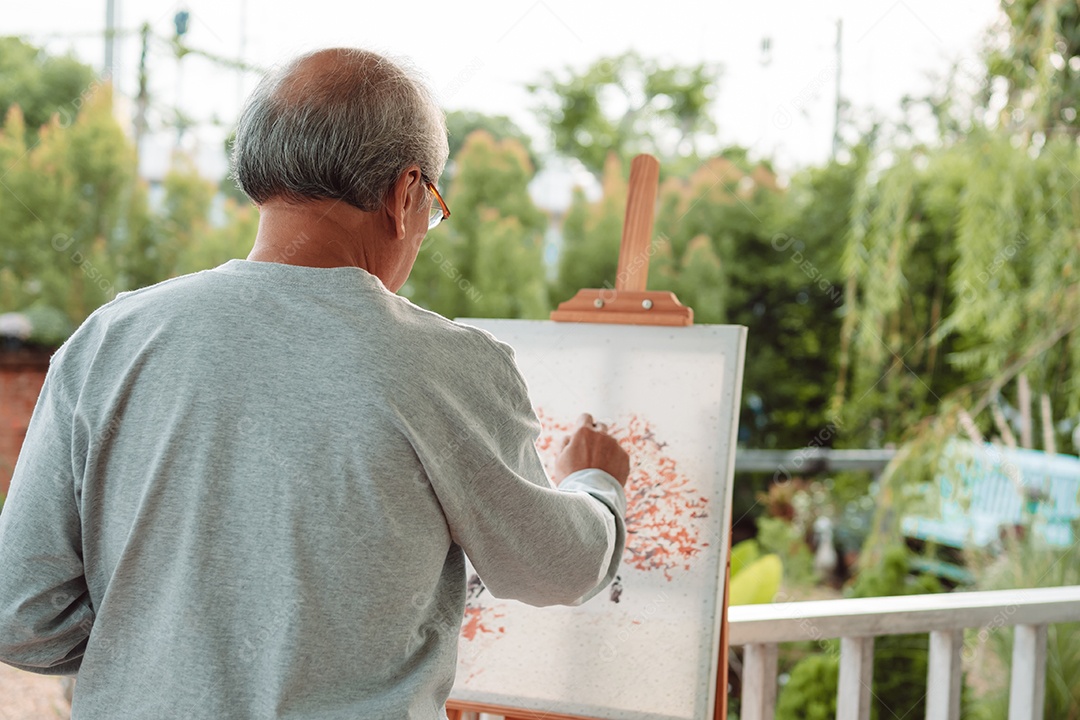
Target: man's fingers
{"x": 587, "y": 421}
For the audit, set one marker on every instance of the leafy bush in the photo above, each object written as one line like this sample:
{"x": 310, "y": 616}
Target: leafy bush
{"x": 810, "y": 692}
{"x": 755, "y": 578}
{"x": 782, "y": 538}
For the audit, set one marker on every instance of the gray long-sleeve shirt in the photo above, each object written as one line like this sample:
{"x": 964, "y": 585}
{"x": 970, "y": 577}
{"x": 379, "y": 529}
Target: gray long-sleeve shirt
{"x": 245, "y": 492}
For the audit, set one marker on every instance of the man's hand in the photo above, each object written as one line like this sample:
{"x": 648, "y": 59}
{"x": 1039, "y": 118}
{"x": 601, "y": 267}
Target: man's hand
{"x": 591, "y": 447}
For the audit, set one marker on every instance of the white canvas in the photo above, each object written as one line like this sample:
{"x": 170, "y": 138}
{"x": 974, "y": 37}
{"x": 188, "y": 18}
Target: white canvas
{"x": 647, "y": 648}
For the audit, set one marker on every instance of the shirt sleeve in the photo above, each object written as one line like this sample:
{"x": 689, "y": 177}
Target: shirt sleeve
{"x": 45, "y": 611}
{"x": 475, "y": 433}
{"x": 607, "y": 490}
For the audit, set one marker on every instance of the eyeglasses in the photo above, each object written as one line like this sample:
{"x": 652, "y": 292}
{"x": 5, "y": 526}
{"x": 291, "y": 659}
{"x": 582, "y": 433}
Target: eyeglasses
{"x": 439, "y": 211}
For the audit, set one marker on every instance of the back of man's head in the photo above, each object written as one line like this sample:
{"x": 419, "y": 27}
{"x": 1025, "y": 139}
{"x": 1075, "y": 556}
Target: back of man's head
{"x": 338, "y": 124}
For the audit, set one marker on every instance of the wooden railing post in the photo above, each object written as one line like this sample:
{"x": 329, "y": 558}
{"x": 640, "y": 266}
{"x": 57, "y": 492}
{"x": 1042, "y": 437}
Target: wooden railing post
{"x": 943, "y": 678}
{"x": 759, "y": 682}
{"x": 1027, "y": 691}
{"x": 856, "y": 674}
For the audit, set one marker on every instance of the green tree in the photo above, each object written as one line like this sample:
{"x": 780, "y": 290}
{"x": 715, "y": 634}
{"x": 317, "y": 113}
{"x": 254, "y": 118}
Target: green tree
{"x": 740, "y": 250}
{"x": 628, "y": 104}
{"x": 78, "y": 226}
{"x": 962, "y": 269}
{"x": 487, "y": 260}
{"x": 462, "y": 123}
{"x": 65, "y": 203}
{"x": 42, "y": 85}
{"x": 191, "y": 241}
{"x": 592, "y": 234}
{"x": 737, "y": 249}
{"x": 1040, "y": 66}
{"x": 509, "y": 270}
{"x": 185, "y": 214}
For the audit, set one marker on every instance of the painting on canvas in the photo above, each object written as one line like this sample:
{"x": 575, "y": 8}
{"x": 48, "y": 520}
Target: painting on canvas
{"x": 646, "y": 648}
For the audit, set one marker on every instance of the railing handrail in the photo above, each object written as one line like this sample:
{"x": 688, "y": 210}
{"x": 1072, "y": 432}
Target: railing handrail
{"x": 758, "y": 628}
{"x": 811, "y": 460}
{"x": 869, "y": 617}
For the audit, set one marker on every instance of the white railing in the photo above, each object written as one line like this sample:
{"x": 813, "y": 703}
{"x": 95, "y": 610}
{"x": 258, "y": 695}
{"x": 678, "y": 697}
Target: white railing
{"x": 758, "y": 628}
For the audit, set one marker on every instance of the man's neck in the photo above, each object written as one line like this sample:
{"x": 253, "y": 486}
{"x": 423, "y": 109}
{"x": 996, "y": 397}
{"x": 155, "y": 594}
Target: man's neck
{"x": 316, "y": 233}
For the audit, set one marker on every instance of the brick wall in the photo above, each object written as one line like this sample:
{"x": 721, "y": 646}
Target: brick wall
{"x": 22, "y": 373}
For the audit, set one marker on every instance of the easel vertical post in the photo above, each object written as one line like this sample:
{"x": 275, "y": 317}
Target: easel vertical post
{"x": 629, "y": 303}
{"x": 636, "y": 246}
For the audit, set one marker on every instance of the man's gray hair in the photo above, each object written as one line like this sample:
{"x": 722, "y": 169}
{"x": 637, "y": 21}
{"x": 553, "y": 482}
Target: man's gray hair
{"x": 337, "y": 124}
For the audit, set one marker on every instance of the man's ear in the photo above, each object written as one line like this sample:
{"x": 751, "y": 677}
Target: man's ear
{"x": 402, "y": 199}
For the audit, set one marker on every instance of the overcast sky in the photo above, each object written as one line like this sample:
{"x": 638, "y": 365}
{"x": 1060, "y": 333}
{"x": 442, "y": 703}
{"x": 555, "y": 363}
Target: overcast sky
{"x": 478, "y": 54}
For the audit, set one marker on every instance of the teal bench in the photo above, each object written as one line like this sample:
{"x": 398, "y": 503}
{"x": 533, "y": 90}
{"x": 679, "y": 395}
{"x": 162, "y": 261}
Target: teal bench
{"x": 985, "y": 488}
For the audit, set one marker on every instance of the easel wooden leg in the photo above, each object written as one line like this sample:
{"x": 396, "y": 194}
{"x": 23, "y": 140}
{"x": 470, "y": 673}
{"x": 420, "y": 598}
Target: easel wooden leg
{"x": 461, "y": 714}
{"x": 720, "y": 713}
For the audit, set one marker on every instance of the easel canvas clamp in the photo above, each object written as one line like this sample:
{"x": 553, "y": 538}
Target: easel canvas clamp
{"x": 628, "y": 303}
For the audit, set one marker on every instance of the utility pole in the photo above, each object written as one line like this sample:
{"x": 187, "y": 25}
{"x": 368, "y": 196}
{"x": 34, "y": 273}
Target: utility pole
{"x": 839, "y": 101}
{"x": 110, "y": 38}
{"x": 180, "y": 22}
{"x": 765, "y": 60}
{"x": 142, "y": 98}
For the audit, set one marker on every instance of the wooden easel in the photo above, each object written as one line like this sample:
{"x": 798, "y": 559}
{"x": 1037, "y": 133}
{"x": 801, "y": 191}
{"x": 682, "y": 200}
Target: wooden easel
{"x": 628, "y": 303}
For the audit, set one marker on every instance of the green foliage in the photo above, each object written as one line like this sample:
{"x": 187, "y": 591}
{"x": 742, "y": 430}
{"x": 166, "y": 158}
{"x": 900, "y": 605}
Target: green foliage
{"x": 67, "y": 199}
{"x": 592, "y": 233}
{"x": 962, "y": 266}
{"x": 42, "y": 85}
{"x": 462, "y": 123}
{"x": 726, "y": 249}
{"x": 1043, "y": 85}
{"x": 892, "y": 577}
{"x": 628, "y": 104}
{"x": 810, "y": 692}
{"x": 487, "y": 260}
{"x": 78, "y": 226}
{"x": 756, "y": 583}
{"x": 218, "y": 244}
{"x": 900, "y": 661}
{"x": 782, "y": 538}
{"x": 742, "y": 554}
{"x": 51, "y": 327}
{"x": 184, "y": 216}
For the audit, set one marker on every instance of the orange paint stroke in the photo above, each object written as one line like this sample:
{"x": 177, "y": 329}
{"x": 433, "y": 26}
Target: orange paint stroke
{"x": 476, "y": 622}
{"x": 663, "y": 510}
{"x": 663, "y": 514}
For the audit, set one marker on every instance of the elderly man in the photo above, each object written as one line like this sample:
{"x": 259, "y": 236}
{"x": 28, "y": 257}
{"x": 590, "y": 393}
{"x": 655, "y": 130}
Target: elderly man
{"x": 248, "y": 492}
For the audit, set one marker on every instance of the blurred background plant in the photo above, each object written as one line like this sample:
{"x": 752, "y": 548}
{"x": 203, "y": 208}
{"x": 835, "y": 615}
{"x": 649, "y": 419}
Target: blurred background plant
{"x": 1024, "y": 562}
